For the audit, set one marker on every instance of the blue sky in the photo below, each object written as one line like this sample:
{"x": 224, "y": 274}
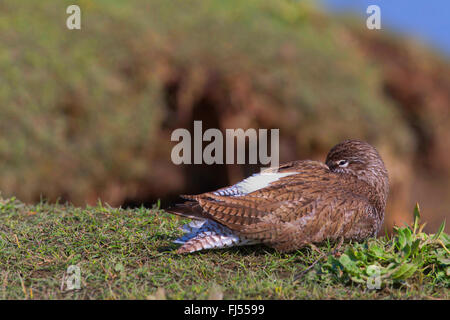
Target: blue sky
{"x": 427, "y": 20}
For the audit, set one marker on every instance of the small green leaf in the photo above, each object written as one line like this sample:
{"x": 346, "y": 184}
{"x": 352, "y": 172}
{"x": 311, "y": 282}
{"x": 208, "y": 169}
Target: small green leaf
{"x": 408, "y": 235}
{"x": 407, "y": 251}
{"x": 401, "y": 240}
{"x": 438, "y": 234}
{"x": 415, "y": 247}
{"x": 404, "y": 271}
{"x": 377, "y": 251}
{"x": 348, "y": 263}
{"x": 416, "y": 217}
{"x": 412, "y": 269}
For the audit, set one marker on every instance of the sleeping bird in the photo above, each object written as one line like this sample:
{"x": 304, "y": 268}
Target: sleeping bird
{"x": 293, "y": 205}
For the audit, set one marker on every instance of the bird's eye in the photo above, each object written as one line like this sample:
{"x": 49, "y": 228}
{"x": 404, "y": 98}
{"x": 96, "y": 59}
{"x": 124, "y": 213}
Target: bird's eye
{"x": 342, "y": 163}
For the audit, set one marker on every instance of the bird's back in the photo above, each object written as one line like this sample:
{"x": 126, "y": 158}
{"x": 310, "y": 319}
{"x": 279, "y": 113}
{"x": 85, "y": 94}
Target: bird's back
{"x": 287, "y": 207}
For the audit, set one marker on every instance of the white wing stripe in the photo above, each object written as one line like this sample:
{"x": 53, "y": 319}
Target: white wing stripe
{"x": 255, "y": 182}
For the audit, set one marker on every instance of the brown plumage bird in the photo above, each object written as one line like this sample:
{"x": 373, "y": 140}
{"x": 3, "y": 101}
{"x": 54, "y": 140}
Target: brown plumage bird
{"x": 298, "y": 203}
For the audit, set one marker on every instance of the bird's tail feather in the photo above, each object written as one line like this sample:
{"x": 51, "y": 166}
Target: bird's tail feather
{"x": 209, "y": 235}
{"x": 189, "y": 209}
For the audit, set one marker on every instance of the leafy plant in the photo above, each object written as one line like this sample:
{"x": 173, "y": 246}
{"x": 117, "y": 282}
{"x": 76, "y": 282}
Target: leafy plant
{"x": 409, "y": 254}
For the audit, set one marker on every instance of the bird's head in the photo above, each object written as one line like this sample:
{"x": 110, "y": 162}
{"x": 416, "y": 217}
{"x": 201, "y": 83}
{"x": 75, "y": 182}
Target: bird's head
{"x": 360, "y": 159}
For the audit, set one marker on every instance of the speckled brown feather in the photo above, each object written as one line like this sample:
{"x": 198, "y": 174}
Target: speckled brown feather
{"x": 320, "y": 201}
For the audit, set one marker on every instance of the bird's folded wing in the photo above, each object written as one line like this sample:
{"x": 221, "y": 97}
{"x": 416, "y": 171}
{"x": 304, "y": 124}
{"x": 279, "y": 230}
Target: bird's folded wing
{"x": 274, "y": 195}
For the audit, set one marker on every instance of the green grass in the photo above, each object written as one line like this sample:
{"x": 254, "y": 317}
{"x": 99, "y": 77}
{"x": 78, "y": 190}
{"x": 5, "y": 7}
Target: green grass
{"x": 129, "y": 254}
